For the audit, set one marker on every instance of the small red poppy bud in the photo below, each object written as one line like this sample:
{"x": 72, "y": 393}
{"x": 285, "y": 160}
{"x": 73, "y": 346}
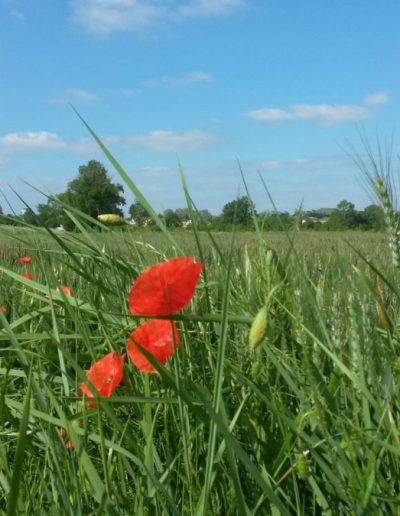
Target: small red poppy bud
{"x": 27, "y": 275}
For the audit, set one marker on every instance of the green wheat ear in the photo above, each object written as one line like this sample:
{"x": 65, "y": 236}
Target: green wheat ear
{"x": 390, "y": 219}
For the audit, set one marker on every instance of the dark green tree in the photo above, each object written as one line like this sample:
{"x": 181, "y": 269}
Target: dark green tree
{"x": 205, "y": 216}
{"x": 183, "y": 214}
{"x": 344, "y": 216}
{"x": 93, "y": 192}
{"x": 138, "y": 213}
{"x": 50, "y": 214}
{"x": 29, "y": 217}
{"x": 238, "y": 212}
{"x": 373, "y": 217}
{"x": 171, "y": 219}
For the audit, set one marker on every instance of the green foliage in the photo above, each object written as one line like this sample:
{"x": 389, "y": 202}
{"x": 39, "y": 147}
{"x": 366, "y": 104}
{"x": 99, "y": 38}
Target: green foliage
{"x": 239, "y": 212}
{"x": 171, "y": 219}
{"x": 344, "y": 216}
{"x": 301, "y": 420}
{"x": 51, "y": 215}
{"x": 93, "y": 192}
{"x": 374, "y": 217}
{"x": 138, "y": 213}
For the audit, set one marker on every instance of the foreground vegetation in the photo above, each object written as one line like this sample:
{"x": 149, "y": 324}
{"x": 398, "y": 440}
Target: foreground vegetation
{"x": 306, "y": 422}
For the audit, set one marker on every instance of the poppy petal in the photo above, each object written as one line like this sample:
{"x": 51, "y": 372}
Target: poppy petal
{"x": 25, "y": 260}
{"x": 165, "y": 288}
{"x": 27, "y": 275}
{"x": 105, "y": 375}
{"x": 159, "y": 337}
{"x": 66, "y": 290}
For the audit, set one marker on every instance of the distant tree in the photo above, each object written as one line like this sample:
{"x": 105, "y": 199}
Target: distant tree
{"x": 3, "y": 219}
{"x": 50, "y": 215}
{"x": 373, "y": 217}
{"x": 183, "y": 214}
{"x": 138, "y": 213}
{"x": 238, "y": 212}
{"x": 93, "y": 192}
{"x": 171, "y": 219}
{"x": 28, "y": 216}
{"x": 205, "y": 216}
{"x": 276, "y": 221}
{"x": 344, "y": 216}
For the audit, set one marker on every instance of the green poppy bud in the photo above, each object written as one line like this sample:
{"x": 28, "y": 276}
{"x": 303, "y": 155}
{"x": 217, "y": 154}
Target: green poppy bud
{"x": 301, "y": 466}
{"x": 258, "y": 328}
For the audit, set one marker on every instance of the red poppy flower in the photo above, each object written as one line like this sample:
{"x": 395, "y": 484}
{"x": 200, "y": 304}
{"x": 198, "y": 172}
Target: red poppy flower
{"x": 165, "y": 288}
{"x": 105, "y": 375}
{"x": 66, "y": 289}
{"x": 158, "y": 336}
{"x": 27, "y": 275}
{"x": 3, "y": 309}
{"x": 25, "y": 260}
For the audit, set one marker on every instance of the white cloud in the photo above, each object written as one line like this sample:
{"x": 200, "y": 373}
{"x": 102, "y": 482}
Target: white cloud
{"x": 107, "y": 16}
{"x": 322, "y": 114}
{"x": 182, "y": 80}
{"x": 32, "y": 140}
{"x": 75, "y": 95}
{"x": 169, "y": 141}
{"x": 158, "y": 141}
{"x": 376, "y": 99}
{"x": 330, "y": 114}
{"x": 312, "y": 163}
{"x": 129, "y": 93}
{"x": 270, "y": 115}
{"x": 197, "y": 8}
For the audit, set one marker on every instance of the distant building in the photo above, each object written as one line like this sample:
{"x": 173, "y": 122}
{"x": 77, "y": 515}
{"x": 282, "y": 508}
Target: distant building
{"x": 314, "y": 220}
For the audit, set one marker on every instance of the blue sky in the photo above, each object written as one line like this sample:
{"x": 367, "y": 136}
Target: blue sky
{"x": 282, "y": 86}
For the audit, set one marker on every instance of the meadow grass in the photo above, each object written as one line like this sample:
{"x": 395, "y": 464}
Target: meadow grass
{"x": 306, "y": 423}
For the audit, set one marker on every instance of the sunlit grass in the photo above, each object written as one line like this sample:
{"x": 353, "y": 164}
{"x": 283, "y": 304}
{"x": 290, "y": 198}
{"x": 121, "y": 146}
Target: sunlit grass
{"x": 306, "y": 423}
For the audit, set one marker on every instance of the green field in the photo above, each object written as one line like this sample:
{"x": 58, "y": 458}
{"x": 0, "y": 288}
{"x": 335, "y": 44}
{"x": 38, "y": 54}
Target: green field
{"x": 307, "y": 423}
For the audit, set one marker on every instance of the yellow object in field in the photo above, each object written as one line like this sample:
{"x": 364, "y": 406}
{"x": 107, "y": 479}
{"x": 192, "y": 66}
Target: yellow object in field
{"x": 110, "y": 218}
{"x": 258, "y": 328}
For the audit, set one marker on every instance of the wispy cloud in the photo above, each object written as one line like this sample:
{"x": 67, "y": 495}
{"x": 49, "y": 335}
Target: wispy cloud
{"x": 197, "y": 8}
{"x": 32, "y": 140}
{"x": 376, "y": 99}
{"x": 169, "y": 141}
{"x": 180, "y": 80}
{"x": 270, "y": 115}
{"x": 107, "y": 16}
{"x": 322, "y": 114}
{"x": 302, "y": 164}
{"x": 14, "y": 9}
{"x": 157, "y": 141}
{"x": 75, "y": 95}
{"x": 129, "y": 93}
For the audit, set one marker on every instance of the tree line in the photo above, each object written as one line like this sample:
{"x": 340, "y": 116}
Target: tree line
{"x": 93, "y": 192}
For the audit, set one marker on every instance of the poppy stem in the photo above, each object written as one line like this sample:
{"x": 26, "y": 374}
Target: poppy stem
{"x": 239, "y": 319}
